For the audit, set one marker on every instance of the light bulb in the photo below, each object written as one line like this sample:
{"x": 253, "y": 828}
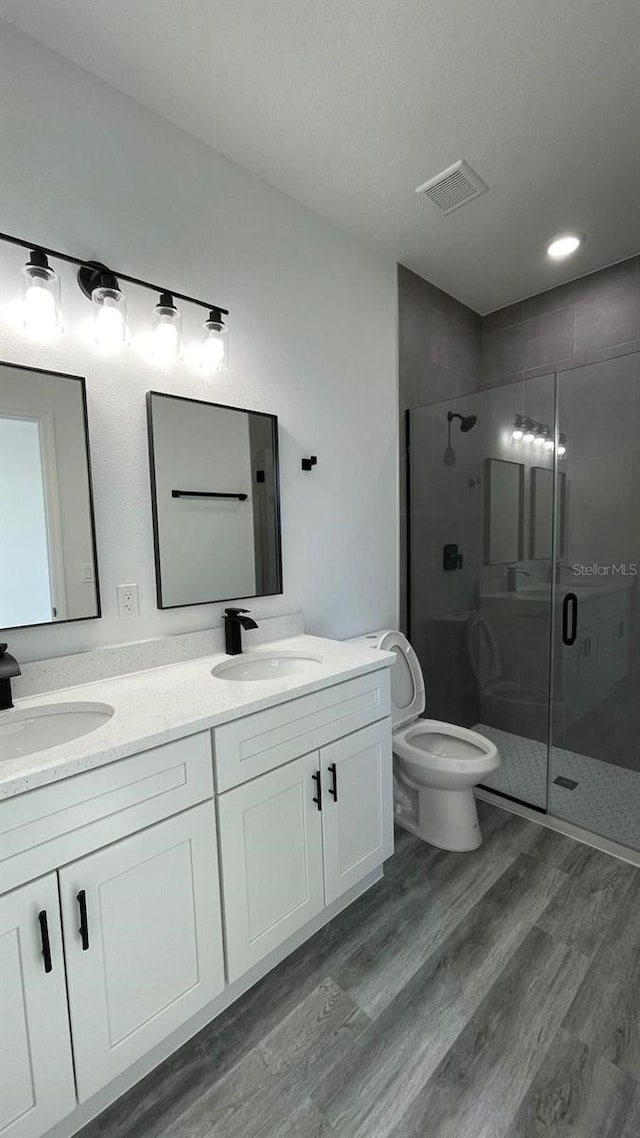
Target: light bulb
{"x": 212, "y": 352}
{"x": 40, "y": 296}
{"x": 528, "y": 437}
{"x": 548, "y": 444}
{"x": 109, "y": 316}
{"x": 538, "y": 440}
{"x": 166, "y": 335}
{"x": 561, "y": 450}
{"x": 517, "y": 435}
{"x": 564, "y": 245}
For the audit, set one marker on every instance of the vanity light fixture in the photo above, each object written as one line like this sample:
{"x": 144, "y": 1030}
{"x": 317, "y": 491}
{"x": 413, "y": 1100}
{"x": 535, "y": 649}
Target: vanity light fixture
{"x": 166, "y": 332}
{"x": 41, "y": 315}
{"x": 213, "y": 350}
{"x": 564, "y": 245}
{"x": 101, "y": 287}
{"x": 40, "y": 311}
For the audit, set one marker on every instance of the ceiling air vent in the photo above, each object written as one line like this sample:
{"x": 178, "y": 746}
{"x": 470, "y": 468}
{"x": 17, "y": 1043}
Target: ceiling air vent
{"x": 453, "y": 187}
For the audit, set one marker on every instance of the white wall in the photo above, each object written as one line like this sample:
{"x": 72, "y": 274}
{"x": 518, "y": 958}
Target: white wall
{"x": 89, "y": 171}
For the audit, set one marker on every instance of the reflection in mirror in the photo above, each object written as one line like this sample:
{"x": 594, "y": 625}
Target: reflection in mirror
{"x": 215, "y": 499}
{"x": 504, "y": 512}
{"x": 541, "y": 513}
{"x": 48, "y": 567}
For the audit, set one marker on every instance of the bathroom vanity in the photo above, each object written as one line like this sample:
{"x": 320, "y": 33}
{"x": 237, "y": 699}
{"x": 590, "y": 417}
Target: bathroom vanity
{"x": 153, "y": 868}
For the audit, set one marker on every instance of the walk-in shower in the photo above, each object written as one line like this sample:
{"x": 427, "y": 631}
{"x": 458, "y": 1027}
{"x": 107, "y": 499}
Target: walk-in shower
{"x": 531, "y": 633}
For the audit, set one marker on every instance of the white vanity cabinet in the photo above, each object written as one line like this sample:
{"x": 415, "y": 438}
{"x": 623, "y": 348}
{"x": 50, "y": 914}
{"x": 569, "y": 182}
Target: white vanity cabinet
{"x": 295, "y": 838}
{"x": 143, "y": 942}
{"x": 36, "y": 1067}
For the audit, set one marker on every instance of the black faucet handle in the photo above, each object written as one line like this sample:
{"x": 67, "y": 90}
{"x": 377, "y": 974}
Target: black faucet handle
{"x": 235, "y": 612}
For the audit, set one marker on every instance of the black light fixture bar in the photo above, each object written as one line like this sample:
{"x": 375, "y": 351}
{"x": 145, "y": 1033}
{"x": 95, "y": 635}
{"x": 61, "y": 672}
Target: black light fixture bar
{"x": 10, "y": 240}
{"x": 206, "y": 494}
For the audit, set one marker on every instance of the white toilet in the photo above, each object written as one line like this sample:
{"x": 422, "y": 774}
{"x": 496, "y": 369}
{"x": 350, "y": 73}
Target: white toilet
{"x": 436, "y": 765}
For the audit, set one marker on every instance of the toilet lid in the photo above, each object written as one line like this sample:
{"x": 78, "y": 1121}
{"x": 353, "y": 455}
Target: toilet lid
{"x": 407, "y": 682}
{"x": 484, "y": 654}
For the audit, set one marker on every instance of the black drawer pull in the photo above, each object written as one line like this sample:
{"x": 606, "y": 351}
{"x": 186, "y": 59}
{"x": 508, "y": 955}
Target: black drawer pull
{"x": 84, "y": 924}
{"x": 333, "y": 789}
{"x": 317, "y": 798}
{"x": 46, "y": 943}
{"x": 569, "y": 619}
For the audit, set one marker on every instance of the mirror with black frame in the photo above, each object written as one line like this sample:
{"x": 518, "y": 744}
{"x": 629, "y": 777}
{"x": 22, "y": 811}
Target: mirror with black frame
{"x": 48, "y": 564}
{"x": 215, "y": 501}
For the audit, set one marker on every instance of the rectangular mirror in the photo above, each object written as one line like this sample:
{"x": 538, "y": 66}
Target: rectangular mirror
{"x": 504, "y": 512}
{"x": 215, "y": 499}
{"x": 541, "y": 513}
{"x": 48, "y": 565}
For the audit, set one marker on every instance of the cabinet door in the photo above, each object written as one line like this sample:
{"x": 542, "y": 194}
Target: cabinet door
{"x": 271, "y": 852}
{"x": 36, "y": 1069}
{"x": 357, "y": 806}
{"x": 143, "y": 941}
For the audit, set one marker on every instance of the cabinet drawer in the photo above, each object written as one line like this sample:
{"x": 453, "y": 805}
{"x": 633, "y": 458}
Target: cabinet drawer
{"x": 257, "y": 743}
{"x": 55, "y": 824}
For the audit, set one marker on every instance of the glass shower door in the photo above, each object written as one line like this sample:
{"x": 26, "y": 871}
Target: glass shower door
{"x": 594, "y": 768}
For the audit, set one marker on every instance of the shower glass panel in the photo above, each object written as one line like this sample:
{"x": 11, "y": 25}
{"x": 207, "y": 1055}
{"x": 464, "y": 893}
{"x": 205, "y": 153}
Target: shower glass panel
{"x": 594, "y": 768}
{"x": 481, "y": 511}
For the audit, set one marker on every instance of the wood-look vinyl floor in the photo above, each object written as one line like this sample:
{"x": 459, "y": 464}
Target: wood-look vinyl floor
{"x": 486, "y": 995}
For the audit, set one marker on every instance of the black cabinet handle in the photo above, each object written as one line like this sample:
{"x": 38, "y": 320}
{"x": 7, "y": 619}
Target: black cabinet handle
{"x": 333, "y": 789}
{"x": 569, "y": 619}
{"x": 317, "y": 798}
{"x": 46, "y": 943}
{"x": 84, "y": 924}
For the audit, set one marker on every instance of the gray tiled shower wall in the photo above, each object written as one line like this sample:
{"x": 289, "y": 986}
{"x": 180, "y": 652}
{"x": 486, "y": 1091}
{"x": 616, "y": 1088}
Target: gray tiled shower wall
{"x": 446, "y": 349}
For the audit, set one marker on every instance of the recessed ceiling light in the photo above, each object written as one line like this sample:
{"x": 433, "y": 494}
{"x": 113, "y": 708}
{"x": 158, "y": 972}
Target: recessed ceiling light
{"x": 564, "y": 245}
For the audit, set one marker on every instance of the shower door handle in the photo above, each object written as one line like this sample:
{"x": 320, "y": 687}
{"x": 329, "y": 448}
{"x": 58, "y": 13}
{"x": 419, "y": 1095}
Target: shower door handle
{"x": 569, "y": 619}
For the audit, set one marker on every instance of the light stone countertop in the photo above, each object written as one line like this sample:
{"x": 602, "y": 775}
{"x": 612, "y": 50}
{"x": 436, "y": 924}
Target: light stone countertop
{"x": 166, "y": 703}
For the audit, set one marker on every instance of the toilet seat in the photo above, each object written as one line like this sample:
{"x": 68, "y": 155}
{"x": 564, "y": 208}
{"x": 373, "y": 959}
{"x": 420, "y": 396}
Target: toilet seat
{"x": 445, "y": 747}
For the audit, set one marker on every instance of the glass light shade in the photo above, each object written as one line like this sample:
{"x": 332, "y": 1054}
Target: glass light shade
{"x": 517, "y": 434}
{"x": 109, "y": 318}
{"x": 166, "y": 331}
{"x": 538, "y": 441}
{"x": 213, "y": 350}
{"x": 41, "y": 313}
{"x": 528, "y": 437}
{"x": 562, "y": 450}
{"x": 548, "y": 444}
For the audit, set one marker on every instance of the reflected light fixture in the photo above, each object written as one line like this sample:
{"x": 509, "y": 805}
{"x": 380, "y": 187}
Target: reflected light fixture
{"x": 564, "y": 245}
{"x": 40, "y": 312}
{"x": 166, "y": 331}
{"x": 562, "y": 446}
{"x": 529, "y": 434}
{"x": 517, "y": 433}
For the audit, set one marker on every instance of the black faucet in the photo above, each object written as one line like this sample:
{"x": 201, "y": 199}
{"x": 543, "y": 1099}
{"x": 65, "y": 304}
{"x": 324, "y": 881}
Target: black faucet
{"x": 234, "y": 620}
{"x": 9, "y": 667}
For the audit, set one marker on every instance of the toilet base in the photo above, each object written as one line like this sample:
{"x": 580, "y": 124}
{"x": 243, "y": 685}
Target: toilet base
{"x": 447, "y": 819}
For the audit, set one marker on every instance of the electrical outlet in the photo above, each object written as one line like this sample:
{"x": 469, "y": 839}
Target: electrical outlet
{"x": 128, "y": 601}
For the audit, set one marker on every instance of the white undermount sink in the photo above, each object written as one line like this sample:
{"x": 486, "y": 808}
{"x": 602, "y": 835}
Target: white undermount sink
{"x": 267, "y": 666}
{"x": 22, "y": 732}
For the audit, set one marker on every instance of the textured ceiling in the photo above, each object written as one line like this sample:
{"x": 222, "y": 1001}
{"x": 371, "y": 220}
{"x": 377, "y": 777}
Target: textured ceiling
{"x": 348, "y": 105}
